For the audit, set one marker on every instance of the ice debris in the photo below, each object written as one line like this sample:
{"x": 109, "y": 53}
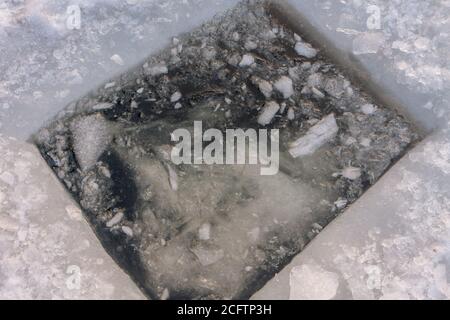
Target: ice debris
{"x": 204, "y": 232}
{"x": 158, "y": 69}
{"x": 270, "y": 110}
{"x": 91, "y": 136}
{"x": 285, "y": 86}
{"x": 103, "y": 106}
{"x": 117, "y": 59}
{"x": 128, "y": 231}
{"x": 115, "y": 220}
{"x": 265, "y": 87}
{"x": 291, "y": 114}
{"x": 368, "y": 108}
{"x": 321, "y": 133}
{"x": 305, "y": 50}
{"x": 175, "y": 97}
{"x": 351, "y": 173}
{"x": 247, "y": 60}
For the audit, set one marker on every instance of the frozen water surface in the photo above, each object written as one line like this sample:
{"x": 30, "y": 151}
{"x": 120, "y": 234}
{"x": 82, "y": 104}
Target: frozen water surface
{"x": 207, "y": 232}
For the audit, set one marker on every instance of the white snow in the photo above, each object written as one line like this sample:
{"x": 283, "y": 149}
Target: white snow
{"x": 270, "y": 110}
{"x": 321, "y": 133}
{"x": 285, "y": 86}
{"x": 305, "y": 50}
{"x": 247, "y": 60}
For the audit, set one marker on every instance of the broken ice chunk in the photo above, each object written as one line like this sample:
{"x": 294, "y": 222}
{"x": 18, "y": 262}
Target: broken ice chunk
{"x": 165, "y": 295}
{"x": 270, "y": 110}
{"x": 368, "y": 108}
{"x": 250, "y": 45}
{"x": 103, "y": 106}
{"x": 128, "y": 231}
{"x": 365, "y": 142}
{"x": 91, "y": 136}
{"x": 110, "y": 85}
{"x": 115, "y": 220}
{"x": 334, "y": 87}
{"x": 117, "y": 59}
{"x": 323, "y": 132}
{"x": 317, "y": 93}
{"x": 285, "y": 87}
{"x": 175, "y": 97}
{"x": 158, "y": 69}
{"x": 351, "y": 173}
{"x": 247, "y": 60}
{"x": 291, "y": 114}
{"x": 305, "y": 50}
{"x": 265, "y": 87}
{"x": 341, "y": 203}
{"x": 204, "y": 231}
